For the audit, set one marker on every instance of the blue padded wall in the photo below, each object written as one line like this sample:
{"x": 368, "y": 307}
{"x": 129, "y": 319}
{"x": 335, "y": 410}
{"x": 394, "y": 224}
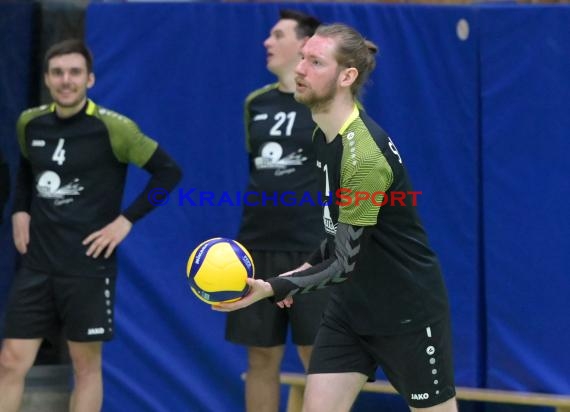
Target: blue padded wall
{"x": 525, "y": 92}
{"x": 16, "y": 40}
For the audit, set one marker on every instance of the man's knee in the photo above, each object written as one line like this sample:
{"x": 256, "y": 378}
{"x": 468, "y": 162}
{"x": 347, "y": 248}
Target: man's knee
{"x": 265, "y": 358}
{"x": 85, "y": 357}
{"x": 14, "y": 359}
{"x": 448, "y": 406}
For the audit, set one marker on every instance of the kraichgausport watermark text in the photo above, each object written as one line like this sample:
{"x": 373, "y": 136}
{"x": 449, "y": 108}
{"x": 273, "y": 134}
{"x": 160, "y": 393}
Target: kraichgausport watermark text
{"x": 342, "y": 197}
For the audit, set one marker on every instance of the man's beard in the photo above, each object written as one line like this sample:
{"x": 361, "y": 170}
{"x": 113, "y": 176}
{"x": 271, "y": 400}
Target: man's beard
{"x": 318, "y": 103}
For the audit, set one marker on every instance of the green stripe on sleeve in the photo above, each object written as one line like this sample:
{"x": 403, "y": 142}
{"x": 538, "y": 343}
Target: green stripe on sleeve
{"x": 23, "y": 120}
{"x": 129, "y": 144}
{"x": 365, "y": 175}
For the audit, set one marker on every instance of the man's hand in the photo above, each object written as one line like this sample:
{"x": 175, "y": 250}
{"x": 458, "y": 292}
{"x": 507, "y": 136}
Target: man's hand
{"x": 21, "y": 231}
{"x": 259, "y": 289}
{"x": 107, "y": 238}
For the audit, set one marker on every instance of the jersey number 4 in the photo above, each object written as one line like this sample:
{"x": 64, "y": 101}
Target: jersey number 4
{"x": 59, "y": 153}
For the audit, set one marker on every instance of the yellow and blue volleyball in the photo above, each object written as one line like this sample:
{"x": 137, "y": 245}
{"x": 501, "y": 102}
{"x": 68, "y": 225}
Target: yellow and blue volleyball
{"x": 218, "y": 269}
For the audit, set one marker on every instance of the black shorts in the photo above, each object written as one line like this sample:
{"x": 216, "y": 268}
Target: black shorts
{"x": 39, "y": 303}
{"x": 264, "y": 323}
{"x": 418, "y": 364}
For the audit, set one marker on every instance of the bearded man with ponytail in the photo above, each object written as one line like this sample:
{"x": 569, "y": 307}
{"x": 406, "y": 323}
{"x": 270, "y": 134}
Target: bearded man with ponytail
{"x": 388, "y": 307}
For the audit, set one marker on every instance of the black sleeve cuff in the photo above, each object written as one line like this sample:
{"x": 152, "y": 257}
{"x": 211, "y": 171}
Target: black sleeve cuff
{"x": 281, "y": 288}
{"x": 165, "y": 175}
{"x": 24, "y": 187}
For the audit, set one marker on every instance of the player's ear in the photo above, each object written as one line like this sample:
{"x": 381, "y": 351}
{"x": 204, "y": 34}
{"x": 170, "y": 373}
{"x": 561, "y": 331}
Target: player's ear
{"x": 348, "y": 76}
{"x": 90, "y": 80}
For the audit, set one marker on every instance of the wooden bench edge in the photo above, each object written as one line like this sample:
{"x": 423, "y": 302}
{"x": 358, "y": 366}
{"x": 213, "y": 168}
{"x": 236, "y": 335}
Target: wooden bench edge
{"x": 463, "y": 393}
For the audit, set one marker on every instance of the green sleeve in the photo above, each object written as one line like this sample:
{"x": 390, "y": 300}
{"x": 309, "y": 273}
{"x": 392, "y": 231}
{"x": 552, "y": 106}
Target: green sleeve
{"x": 365, "y": 172}
{"x": 129, "y": 144}
{"x": 246, "y": 121}
{"x": 25, "y": 118}
{"x": 20, "y": 128}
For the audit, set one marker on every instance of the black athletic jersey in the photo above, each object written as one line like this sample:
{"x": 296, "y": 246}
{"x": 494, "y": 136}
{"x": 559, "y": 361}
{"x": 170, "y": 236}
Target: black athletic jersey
{"x": 389, "y": 279}
{"x": 283, "y": 211}
{"x": 78, "y": 166}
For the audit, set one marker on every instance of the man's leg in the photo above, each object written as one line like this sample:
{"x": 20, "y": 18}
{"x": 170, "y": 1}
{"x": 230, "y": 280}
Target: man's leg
{"x": 447, "y": 406}
{"x": 262, "y": 379}
{"x": 304, "y": 352}
{"x": 87, "y": 394}
{"x": 16, "y": 359}
{"x": 332, "y": 392}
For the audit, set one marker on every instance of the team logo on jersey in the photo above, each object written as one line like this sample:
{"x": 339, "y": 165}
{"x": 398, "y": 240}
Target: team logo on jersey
{"x": 38, "y": 143}
{"x": 49, "y": 187}
{"x": 271, "y": 157}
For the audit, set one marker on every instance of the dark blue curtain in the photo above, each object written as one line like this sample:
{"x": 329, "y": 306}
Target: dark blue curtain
{"x": 16, "y": 58}
{"x": 524, "y": 96}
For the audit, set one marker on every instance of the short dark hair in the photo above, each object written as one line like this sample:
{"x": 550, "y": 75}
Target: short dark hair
{"x": 306, "y": 24}
{"x": 67, "y": 47}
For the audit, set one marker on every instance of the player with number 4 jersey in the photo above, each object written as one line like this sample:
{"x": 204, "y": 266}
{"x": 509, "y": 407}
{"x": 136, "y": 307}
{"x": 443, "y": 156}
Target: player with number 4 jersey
{"x": 67, "y": 222}
{"x": 72, "y": 174}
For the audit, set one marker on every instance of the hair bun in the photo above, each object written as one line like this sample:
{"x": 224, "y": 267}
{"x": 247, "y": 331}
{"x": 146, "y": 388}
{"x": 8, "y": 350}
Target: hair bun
{"x": 372, "y": 48}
